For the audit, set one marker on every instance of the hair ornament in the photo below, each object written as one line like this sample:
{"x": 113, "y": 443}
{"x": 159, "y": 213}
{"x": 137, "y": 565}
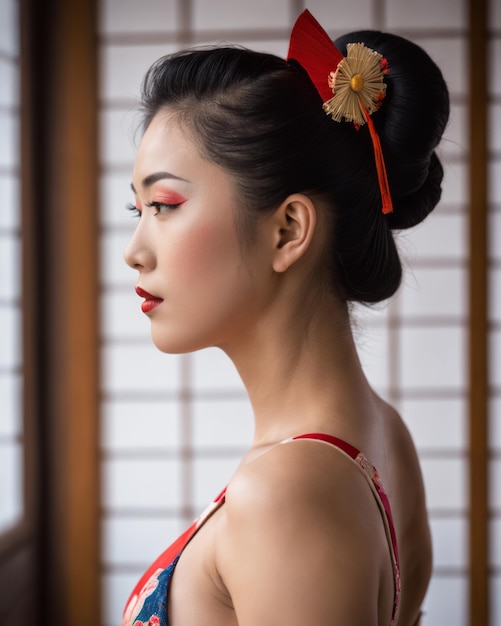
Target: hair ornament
{"x": 357, "y": 85}
{"x": 352, "y": 87}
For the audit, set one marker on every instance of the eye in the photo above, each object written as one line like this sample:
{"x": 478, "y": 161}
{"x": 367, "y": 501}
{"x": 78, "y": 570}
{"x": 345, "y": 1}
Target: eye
{"x": 163, "y": 207}
{"x": 136, "y": 211}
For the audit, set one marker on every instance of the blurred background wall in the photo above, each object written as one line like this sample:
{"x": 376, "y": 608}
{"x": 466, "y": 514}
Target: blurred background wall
{"x": 124, "y": 446}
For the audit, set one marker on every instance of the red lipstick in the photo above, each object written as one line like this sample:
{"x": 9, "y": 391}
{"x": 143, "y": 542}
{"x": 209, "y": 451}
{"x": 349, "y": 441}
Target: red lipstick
{"x": 150, "y": 301}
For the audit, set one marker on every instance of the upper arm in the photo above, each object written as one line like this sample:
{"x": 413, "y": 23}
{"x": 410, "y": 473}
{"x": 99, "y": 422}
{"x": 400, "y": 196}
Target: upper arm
{"x": 302, "y": 546}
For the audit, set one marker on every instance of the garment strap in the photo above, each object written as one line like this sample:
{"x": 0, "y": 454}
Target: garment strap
{"x": 374, "y": 481}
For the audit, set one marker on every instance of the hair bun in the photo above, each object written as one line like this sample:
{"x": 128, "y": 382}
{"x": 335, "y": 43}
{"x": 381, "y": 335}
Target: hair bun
{"x": 413, "y": 208}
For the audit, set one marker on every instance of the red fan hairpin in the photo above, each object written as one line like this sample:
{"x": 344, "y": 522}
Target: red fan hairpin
{"x": 352, "y": 88}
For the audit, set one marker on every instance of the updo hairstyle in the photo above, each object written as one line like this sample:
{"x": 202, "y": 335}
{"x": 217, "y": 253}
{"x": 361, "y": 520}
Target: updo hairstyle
{"x": 260, "y": 118}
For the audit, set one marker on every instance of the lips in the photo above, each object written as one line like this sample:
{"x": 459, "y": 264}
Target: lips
{"x": 150, "y": 301}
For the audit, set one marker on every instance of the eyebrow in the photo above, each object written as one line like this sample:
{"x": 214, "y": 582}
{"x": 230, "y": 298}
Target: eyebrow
{"x": 156, "y": 176}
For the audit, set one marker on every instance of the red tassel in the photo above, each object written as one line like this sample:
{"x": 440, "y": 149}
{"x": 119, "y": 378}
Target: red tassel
{"x": 382, "y": 176}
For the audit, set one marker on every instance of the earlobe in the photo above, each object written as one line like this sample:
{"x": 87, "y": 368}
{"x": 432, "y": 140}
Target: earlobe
{"x": 295, "y": 222}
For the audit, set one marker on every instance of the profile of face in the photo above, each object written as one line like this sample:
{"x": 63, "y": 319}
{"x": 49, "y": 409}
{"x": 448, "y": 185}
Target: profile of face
{"x": 200, "y": 288}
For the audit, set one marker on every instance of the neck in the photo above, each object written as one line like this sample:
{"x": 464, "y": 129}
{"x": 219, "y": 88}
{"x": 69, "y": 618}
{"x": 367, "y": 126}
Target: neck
{"x": 302, "y": 372}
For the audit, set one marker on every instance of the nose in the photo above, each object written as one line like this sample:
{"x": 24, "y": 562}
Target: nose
{"x": 138, "y": 254}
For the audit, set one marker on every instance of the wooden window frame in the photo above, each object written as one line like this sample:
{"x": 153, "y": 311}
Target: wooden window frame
{"x": 478, "y": 342}
{"x": 49, "y": 563}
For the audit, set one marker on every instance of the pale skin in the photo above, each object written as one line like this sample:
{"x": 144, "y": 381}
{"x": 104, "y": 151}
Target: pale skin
{"x": 300, "y": 539}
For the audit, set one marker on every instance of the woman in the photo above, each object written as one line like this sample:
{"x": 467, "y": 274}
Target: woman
{"x": 267, "y": 192}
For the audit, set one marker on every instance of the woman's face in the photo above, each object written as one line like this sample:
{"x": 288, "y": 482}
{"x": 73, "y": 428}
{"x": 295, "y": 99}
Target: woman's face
{"x": 200, "y": 290}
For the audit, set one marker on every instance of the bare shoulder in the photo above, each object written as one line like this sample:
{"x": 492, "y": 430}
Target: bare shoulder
{"x": 405, "y": 483}
{"x": 403, "y": 461}
{"x": 304, "y": 476}
{"x": 302, "y": 530}
{"x": 297, "y": 485}
{"x": 409, "y": 507}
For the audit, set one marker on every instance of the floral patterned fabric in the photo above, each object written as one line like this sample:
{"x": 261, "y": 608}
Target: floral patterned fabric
{"x": 147, "y": 605}
{"x": 148, "y": 608}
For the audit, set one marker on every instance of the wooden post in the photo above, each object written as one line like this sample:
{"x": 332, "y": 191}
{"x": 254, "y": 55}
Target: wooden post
{"x": 60, "y": 202}
{"x": 478, "y": 327}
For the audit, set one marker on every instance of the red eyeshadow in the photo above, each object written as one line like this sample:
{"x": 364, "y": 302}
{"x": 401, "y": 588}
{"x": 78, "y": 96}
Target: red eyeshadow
{"x": 169, "y": 197}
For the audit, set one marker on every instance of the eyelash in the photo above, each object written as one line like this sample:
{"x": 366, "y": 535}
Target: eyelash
{"x": 157, "y": 205}
{"x": 133, "y": 208}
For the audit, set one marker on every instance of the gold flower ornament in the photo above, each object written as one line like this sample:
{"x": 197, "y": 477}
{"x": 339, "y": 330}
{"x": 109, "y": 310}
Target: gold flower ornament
{"x": 357, "y": 84}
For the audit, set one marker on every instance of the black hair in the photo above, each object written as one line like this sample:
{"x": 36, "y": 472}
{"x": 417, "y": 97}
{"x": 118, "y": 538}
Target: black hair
{"x": 260, "y": 118}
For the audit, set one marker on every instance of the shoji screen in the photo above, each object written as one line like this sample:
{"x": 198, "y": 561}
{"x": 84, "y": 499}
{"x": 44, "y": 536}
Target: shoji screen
{"x": 421, "y": 335}
{"x": 175, "y": 426}
{"x": 494, "y": 126}
{"x": 11, "y": 475}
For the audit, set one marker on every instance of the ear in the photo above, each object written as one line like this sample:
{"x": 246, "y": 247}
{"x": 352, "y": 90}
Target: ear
{"x": 294, "y": 225}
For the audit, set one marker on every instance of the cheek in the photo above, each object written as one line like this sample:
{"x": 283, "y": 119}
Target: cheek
{"x": 207, "y": 252}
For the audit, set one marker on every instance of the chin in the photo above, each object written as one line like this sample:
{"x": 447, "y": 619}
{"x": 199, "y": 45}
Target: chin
{"x": 177, "y": 344}
{"x": 172, "y": 346}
